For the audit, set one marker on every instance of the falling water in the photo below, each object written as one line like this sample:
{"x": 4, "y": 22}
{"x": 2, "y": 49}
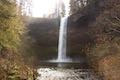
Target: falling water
{"x": 63, "y": 35}
{"x": 62, "y": 39}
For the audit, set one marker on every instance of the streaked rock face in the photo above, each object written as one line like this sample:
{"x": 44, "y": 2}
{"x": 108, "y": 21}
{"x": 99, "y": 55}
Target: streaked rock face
{"x": 66, "y": 74}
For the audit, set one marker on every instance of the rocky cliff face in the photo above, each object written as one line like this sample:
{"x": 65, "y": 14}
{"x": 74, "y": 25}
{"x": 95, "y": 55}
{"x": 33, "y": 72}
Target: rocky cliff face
{"x": 44, "y": 35}
{"x": 99, "y": 22}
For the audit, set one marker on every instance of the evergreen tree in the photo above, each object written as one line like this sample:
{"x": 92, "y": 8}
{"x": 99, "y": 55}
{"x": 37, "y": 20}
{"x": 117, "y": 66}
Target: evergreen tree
{"x": 12, "y": 31}
{"x": 11, "y": 27}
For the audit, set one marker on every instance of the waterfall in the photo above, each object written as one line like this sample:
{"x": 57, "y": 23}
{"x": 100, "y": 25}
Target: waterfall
{"x": 63, "y": 35}
{"x": 62, "y": 39}
{"x": 62, "y": 44}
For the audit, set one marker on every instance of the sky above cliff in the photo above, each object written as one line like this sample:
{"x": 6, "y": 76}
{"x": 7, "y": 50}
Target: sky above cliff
{"x": 43, "y": 8}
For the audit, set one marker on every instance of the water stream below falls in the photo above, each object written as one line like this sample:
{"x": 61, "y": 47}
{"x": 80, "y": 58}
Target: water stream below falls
{"x": 66, "y": 74}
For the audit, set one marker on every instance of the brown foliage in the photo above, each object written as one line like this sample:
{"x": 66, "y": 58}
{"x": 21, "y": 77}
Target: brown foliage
{"x": 105, "y": 54}
{"x": 110, "y": 67}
